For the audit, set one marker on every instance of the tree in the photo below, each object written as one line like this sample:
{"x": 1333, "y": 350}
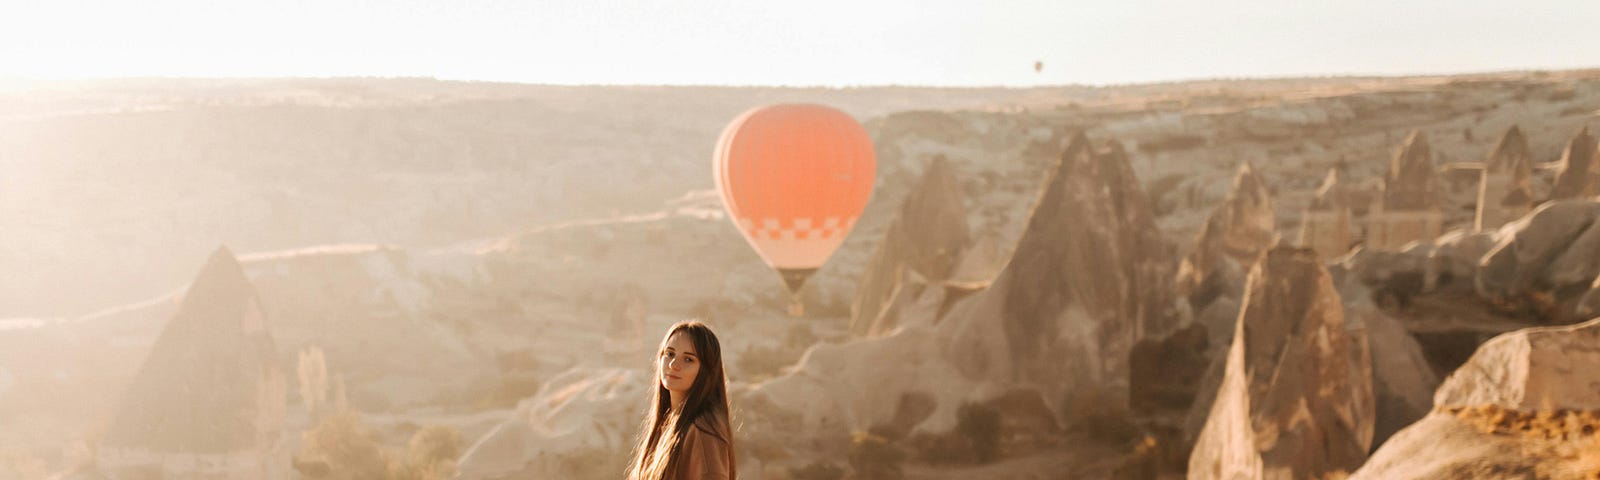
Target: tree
{"x": 430, "y": 455}
{"x": 341, "y": 448}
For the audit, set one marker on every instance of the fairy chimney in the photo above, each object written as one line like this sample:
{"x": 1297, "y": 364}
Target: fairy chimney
{"x": 1325, "y": 227}
{"x": 1408, "y": 209}
{"x": 1505, "y": 191}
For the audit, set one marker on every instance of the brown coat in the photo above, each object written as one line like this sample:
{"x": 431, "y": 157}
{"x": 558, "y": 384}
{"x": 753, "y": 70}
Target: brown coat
{"x": 707, "y": 451}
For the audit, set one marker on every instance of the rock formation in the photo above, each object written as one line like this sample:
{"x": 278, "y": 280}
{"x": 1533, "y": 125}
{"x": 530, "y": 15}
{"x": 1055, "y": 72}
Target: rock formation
{"x": 580, "y": 425}
{"x": 1408, "y": 209}
{"x": 1545, "y": 260}
{"x": 1580, "y": 169}
{"x": 1326, "y": 225}
{"x": 362, "y": 303}
{"x": 921, "y": 247}
{"x": 628, "y": 305}
{"x": 1402, "y": 379}
{"x": 1090, "y": 273}
{"x": 209, "y": 401}
{"x": 1091, "y": 268}
{"x": 1517, "y": 409}
{"x": 1295, "y": 399}
{"x": 1505, "y": 191}
{"x": 1238, "y": 230}
{"x": 1454, "y": 260}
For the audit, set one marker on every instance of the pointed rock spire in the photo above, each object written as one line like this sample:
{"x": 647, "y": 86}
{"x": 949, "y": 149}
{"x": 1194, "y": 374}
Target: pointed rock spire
{"x": 1240, "y": 227}
{"x": 1505, "y": 192}
{"x": 1511, "y": 152}
{"x": 1296, "y": 393}
{"x": 1331, "y": 194}
{"x": 1411, "y": 183}
{"x": 1089, "y": 277}
{"x": 201, "y": 390}
{"x": 1579, "y": 176}
{"x": 1325, "y": 227}
{"x": 935, "y": 217}
{"x": 927, "y": 238}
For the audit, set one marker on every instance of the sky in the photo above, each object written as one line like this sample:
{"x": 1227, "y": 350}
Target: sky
{"x": 792, "y": 43}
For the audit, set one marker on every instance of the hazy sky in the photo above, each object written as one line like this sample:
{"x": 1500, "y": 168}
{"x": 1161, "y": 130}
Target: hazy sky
{"x": 810, "y": 42}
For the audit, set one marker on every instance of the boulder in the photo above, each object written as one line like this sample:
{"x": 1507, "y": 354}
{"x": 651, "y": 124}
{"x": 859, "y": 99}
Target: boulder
{"x": 581, "y": 424}
{"x": 1394, "y": 276}
{"x": 1517, "y": 409}
{"x": 1526, "y": 264}
{"x": 1453, "y": 263}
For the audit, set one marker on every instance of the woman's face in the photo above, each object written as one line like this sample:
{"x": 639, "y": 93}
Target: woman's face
{"x": 680, "y": 364}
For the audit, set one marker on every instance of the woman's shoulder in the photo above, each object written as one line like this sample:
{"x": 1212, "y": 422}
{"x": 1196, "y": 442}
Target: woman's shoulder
{"x": 708, "y": 449}
{"x": 713, "y": 424}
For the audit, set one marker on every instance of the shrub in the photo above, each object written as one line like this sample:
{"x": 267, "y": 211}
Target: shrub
{"x": 872, "y": 457}
{"x": 943, "y": 448}
{"x": 818, "y": 470}
{"x": 341, "y": 447}
{"x": 1101, "y": 415}
{"x": 430, "y": 455}
{"x": 980, "y": 425}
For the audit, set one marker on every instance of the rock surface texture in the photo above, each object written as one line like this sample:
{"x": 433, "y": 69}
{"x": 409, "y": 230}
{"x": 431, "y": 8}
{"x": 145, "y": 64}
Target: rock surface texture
{"x": 1296, "y": 399}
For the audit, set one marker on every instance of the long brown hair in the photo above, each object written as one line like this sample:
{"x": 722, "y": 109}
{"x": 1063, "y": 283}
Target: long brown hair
{"x": 655, "y": 457}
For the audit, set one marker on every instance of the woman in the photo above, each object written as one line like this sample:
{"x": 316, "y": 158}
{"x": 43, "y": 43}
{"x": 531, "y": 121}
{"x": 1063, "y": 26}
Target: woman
{"x": 685, "y": 435}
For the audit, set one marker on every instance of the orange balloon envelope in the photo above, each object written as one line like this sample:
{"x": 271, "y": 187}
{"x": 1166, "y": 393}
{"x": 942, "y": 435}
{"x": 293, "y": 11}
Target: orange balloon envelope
{"x": 794, "y": 179}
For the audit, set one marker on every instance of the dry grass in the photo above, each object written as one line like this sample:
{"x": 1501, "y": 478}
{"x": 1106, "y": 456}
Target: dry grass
{"x": 1570, "y": 436}
{"x": 1548, "y": 424}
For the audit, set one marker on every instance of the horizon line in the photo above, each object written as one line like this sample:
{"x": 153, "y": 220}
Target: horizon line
{"x": 843, "y": 86}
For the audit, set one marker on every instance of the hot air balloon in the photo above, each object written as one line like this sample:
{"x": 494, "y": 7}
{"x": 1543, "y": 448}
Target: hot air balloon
{"x": 794, "y": 179}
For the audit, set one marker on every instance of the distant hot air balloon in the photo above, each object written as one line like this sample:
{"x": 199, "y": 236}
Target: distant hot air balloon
{"x": 794, "y": 179}
{"x": 1038, "y": 66}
